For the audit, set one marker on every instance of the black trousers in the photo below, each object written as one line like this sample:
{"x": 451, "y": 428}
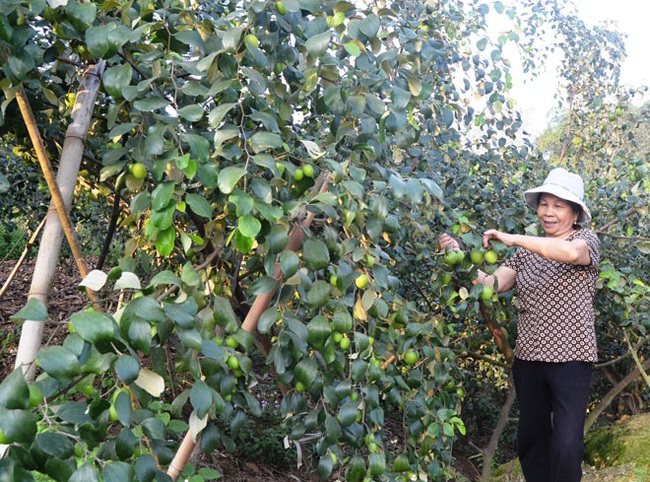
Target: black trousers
{"x": 553, "y": 400}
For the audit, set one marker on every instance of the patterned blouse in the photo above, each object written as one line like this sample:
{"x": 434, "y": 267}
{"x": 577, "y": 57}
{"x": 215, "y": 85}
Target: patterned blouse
{"x": 556, "y": 314}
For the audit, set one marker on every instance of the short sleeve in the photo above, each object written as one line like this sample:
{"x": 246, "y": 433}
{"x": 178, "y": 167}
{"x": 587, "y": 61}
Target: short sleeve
{"x": 593, "y": 244}
{"x": 514, "y": 261}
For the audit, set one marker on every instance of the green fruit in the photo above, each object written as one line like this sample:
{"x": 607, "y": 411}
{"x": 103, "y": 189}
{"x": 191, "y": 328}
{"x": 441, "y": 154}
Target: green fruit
{"x": 487, "y": 293}
{"x": 3, "y": 438}
{"x": 231, "y": 342}
{"x": 453, "y": 257}
{"x": 280, "y": 167}
{"x": 281, "y": 8}
{"x": 491, "y": 257}
{"x": 233, "y": 362}
{"x": 298, "y": 174}
{"x": 337, "y": 337}
{"x": 369, "y": 261}
{"x": 308, "y": 170}
{"x": 334, "y": 279}
{"x": 361, "y": 281}
{"x": 252, "y": 40}
{"x": 138, "y": 170}
{"x": 445, "y": 279}
{"x": 35, "y": 396}
{"x": 476, "y": 255}
{"x": 411, "y": 357}
{"x": 78, "y": 450}
{"x": 300, "y": 387}
{"x": 344, "y": 343}
{"x": 112, "y": 414}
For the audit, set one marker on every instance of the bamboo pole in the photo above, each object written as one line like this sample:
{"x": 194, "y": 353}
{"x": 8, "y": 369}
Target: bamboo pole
{"x": 62, "y": 190}
{"x": 260, "y": 304}
{"x": 23, "y": 255}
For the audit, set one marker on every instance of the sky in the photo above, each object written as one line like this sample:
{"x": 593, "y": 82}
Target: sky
{"x": 535, "y": 98}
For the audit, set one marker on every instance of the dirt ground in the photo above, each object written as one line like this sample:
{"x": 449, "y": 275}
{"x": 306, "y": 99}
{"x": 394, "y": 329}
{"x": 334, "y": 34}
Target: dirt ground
{"x": 66, "y": 299}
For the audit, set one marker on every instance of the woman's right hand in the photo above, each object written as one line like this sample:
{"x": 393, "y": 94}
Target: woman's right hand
{"x": 447, "y": 242}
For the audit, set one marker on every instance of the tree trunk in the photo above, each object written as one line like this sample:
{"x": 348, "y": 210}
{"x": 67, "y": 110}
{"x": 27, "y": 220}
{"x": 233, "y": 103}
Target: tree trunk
{"x": 50, "y": 246}
{"x": 249, "y": 324}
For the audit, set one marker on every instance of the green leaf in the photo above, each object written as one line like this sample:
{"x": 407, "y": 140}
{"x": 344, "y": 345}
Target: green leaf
{"x": 325, "y": 466}
{"x": 117, "y": 472}
{"x": 318, "y": 329}
{"x": 218, "y": 113}
{"x": 192, "y": 113}
{"x": 261, "y": 141}
{"x": 305, "y": 371}
{"x": 229, "y": 177}
{"x": 34, "y": 310}
{"x": 348, "y": 413}
{"x": 14, "y": 392}
{"x": 319, "y": 293}
{"x": 128, "y": 368}
{"x": 21, "y": 63}
{"x": 277, "y": 239}
{"x": 289, "y": 263}
{"x": 146, "y": 308}
{"x": 315, "y": 254}
{"x": 55, "y": 444}
{"x": 139, "y": 334}
{"x": 268, "y": 318}
{"x": 115, "y": 79}
{"x": 18, "y": 425}
{"x": 150, "y": 104}
{"x": 262, "y": 286}
{"x": 85, "y": 473}
{"x": 414, "y": 191}
{"x": 162, "y": 195}
{"x": 352, "y": 48}
{"x": 59, "y": 363}
{"x": 165, "y": 278}
{"x": 318, "y": 44}
{"x": 224, "y": 315}
{"x": 249, "y": 225}
{"x": 123, "y": 407}
{"x": 165, "y": 241}
{"x": 377, "y": 464}
{"x": 81, "y": 15}
{"x": 199, "y": 205}
{"x": 243, "y": 243}
{"x": 192, "y": 38}
{"x": 189, "y": 275}
{"x": 370, "y": 26}
{"x": 201, "y": 398}
{"x": 93, "y": 326}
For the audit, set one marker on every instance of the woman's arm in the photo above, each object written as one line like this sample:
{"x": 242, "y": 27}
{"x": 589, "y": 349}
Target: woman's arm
{"x": 558, "y": 249}
{"x": 504, "y": 277}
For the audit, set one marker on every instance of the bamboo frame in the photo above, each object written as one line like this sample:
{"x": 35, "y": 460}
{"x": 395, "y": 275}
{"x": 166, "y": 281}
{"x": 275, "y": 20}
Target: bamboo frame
{"x": 57, "y": 220}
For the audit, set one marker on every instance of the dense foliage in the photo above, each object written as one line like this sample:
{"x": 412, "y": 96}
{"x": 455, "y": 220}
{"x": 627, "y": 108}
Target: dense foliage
{"x": 228, "y": 132}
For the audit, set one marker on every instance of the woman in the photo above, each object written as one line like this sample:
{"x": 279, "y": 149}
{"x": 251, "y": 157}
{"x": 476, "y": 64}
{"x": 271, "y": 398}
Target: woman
{"x": 555, "y": 278}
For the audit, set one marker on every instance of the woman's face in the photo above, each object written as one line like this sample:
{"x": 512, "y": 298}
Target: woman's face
{"x": 556, "y": 216}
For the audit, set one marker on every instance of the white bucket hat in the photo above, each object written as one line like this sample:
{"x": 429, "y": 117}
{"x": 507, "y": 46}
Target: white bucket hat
{"x": 565, "y": 185}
